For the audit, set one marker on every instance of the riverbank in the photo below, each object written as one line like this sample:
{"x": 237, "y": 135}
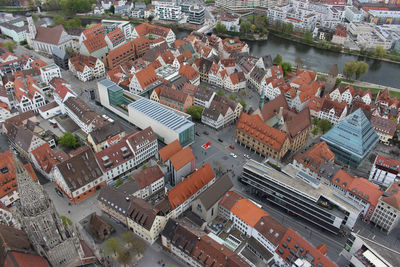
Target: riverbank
{"x": 253, "y": 38}
{"x": 331, "y": 47}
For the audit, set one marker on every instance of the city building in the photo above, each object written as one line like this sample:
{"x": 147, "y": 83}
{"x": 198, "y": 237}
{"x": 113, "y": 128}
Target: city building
{"x": 181, "y": 196}
{"x": 196, "y": 14}
{"x": 253, "y": 133}
{"x": 105, "y": 136}
{"x": 302, "y": 195}
{"x": 385, "y": 128}
{"x": 175, "y": 99}
{"x": 231, "y": 21}
{"x": 167, "y": 10}
{"x": 118, "y": 159}
{"x": 352, "y": 139}
{"x": 86, "y": 68}
{"x": 144, "y": 81}
{"x": 380, "y": 17}
{"x": 238, "y": 5}
{"x": 369, "y": 36}
{"x": 45, "y": 39}
{"x": 387, "y": 212}
{"x": 181, "y": 164}
{"x": 94, "y": 45}
{"x": 28, "y": 94}
{"x": 358, "y": 190}
{"x": 230, "y": 45}
{"x": 15, "y": 29}
{"x": 235, "y": 82}
{"x": 352, "y": 14}
{"x": 56, "y": 242}
{"x": 312, "y": 160}
{"x": 44, "y": 159}
{"x": 340, "y": 35}
{"x": 332, "y": 110}
{"x": 120, "y": 54}
{"x": 150, "y": 181}
{"x": 146, "y": 29}
{"x": 86, "y": 118}
{"x": 206, "y": 204}
{"x": 115, "y": 38}
{"x": 203, "y": 97}
{"x": 385, "y": 171}
{"x": 47, "y": 73}
{"x": 80, "y": 176}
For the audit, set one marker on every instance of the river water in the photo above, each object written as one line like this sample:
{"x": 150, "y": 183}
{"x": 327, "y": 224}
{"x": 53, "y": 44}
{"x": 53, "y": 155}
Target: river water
{"x": 380, "y": 72}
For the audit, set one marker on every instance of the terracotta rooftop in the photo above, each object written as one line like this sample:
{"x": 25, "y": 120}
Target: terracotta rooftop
{"x": 365, "y": 190}
{"x": 255, "y": 127}
{"x": 95, "y": 30}
{"x": 190, "y": 185}
{"x": 188, "y": 71}
{"x": 388, "y": 163}
{"x": 94, "y": 43}
{"x": 181, "y": 158}
{"x": 248, "y": 212}
{"x": 384, "y": 126}
{"x": 45, "y": 157}
{"x": 85, "y": 113}
{"x": 80, "y": 61}
{"x": 146, "y": 77}
{"x": 49, "y": 35}
{"x": 48, "y": 106}
{"x": 229, "y": 199}
{"x": 146, "y": 28}
{"x": 16, "y": 258}
{"x": 116, "y": 35}
{"x": 148, "y": 176}
{"x": 314, "y": 157}
{"x": 304, "y": 77}
{"x": 169, "y": 150}
{"x": 271, "y": 229}
{"x": 343, "y": 179}
{"x": 393, "y": 198}
{"x": 337, "y": 106}
{"x": 237, "y": 77}
{"x": 293, "y": 242}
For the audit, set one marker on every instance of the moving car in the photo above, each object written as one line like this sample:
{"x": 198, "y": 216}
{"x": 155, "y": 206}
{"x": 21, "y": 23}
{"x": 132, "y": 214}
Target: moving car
{"x": 219, "y": 139}
{"x": 246, "y": 156}
{"x": 231, "y": 147}
{"x": 233, "y": 155}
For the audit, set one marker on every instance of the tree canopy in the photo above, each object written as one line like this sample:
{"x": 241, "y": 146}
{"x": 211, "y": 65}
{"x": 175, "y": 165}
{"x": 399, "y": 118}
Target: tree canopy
{"x": 113, "y": 246}
{"x": 220, "y": 92}
{"x": 220, "y": 28}
{"x": 124, "y": 257}
{"x": 245, "y": 26}
{"x": 76, "y": 6}
{"x": 68, "y": 140}
{"x": 195, "y": 112}
{"x": 379, "y": 51}
{"x": 243, "y": 103}
{"x": 232, "y": 96}
{"x": 277, "y": 59}
{"x": 308, "y": 36}
{"x": 10, "y": 46}
{"x": 286, "y": 67}
{"x": 353, "y": 68}
{"x": 324, "y": 125}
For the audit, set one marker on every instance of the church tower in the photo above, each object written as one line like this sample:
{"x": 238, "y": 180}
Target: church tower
{"x": 39, "y": 219}
{"x": 261, "y": 104}
{"x": 32, "y": 31}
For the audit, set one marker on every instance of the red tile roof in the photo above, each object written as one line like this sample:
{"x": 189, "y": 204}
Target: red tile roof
{"x": 168, "y": 57}
{"x": 248, "y": 212}
{"x": 190, "y": 185}
{"x": 366, "y": 190}
{"x": 255, "y": 127}
{"x": 80, "y": 61}
{"x": 94, "y": 43}
{"x": 116, "y": 35}
{"x": 394, "y": 196}
{"x": 181, "y": 158}
{"x": 37, "y": 64}
{"x": 229, "y": 199}
{"x": 62, "y": 91}
{"x": 304, "y": 77}
{"x": 49, "y": 35}
{"x": 95, "y": 30}
{"x": 189, "y": 72}
{"x": 146, "y": 77}
{"x": 388, "y": 163}
{"x": 343, "y": 179}
{"x": 294, "y": 242}
{"x": 148, "y": 176}
{"x": 315, "y": 156}
{"x": 146, "y": 28}
{"x": 237, "y": 77}
{"x": 169, "y": 150}
{"x": 21, "y": 259}
{"x": 45, "y": 157}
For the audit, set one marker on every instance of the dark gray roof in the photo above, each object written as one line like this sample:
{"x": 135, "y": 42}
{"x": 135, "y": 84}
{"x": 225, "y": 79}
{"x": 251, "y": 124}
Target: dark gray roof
{"x": 257, "y": 74}
{"x": 59, "y": 53}
{"x": 257, "y": 246}
{"x": 203, "y": 94}
{"x": 205, "y": 65}
{"x": 23, "y": 138}
{"x": 215, "y": 192}
{"x": 180, "y": 82}
{"x": 114, "y": 199}
{"x": 180, "y": 236}
{"x": 328, "y": 170}
{"x": 101, "y": 134}
{"x": 267, "y": 60}
{"x": 129, "y": 187}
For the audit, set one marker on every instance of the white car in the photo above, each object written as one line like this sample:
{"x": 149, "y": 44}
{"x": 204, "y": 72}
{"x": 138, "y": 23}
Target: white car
{"x": 246, "y": 156}
{"x": 233, "y": 155}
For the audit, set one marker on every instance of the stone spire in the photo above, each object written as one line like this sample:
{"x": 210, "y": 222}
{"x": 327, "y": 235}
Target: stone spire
{"x": 40, "y": 220}
{"x": 261, "y": 105}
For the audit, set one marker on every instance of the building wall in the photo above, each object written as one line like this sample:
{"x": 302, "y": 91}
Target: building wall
{"x": 207, "y": 215}
{"x": 111, "y": 212}
{"x": 178, "y": 175}
{"x": 385, "y": 216}
{"x": 149, "y": 235}
{"x": 382, "y": 177}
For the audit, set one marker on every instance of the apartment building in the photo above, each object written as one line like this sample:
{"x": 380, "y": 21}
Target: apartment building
{"x": 387, "y": 212}
{"x": 301, "y": 195}
{"x": 150, "y": 181}
{"x": 47, "y": 73}
{"x": 385, "y": 128}
{"x": 86, "y": 68}
{"x": 28, "y": 94}
{"x": 167, "y": 10}
{"x": 332, "y": 110}
{"x": 385, "y": 171}
{"x": 120, "y": 54}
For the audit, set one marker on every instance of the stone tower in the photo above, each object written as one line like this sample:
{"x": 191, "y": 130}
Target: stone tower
{"x": 32, "y": 31}
{"x": 39, "y": 219}
{"x": 331, "y": 81}
{"x": 261, "y": 104}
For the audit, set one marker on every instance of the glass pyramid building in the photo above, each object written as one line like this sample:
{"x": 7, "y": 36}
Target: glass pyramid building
{"x": 352, "y": 139}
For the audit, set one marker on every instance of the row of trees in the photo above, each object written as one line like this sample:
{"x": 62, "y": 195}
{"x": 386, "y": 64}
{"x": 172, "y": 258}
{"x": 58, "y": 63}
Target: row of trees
{"x": 353, "y": 68}
{"x": 286, "y": 66}
{"x": 67, "y": 6}
{"x": 71, "y": 23}
{"x": 121, "y": 249}
{"x": 9, "y": 45}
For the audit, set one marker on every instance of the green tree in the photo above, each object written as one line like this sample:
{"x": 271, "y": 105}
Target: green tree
{"x": 35, "y": 17}
{"x": 361, "y": 69}
{"x": 68, "y": 140}
{"x": 128, "y": 238}
{"x": 349, "y": 69}
{"x": 315, "y": 131}
{"x": 253, "y": 28}
{"x": 195, "y": 112}
{"x": 118, "y": 182}
{"x": 10, "y": 46}
{"x": 315, "y": 121}
{"x": 220, "y": 28}
{"x": 277, "y": 59}
{"x": 286, "y": 67}
{"x": 59, "y": 20}
{"x": 144, "y": 166}
{"x": 124, "y": 257}
{"x": 138, "y": 246}
{"x": 66, "y": 221}
{"x": 73, "y": 23}
{"x": 113, "y": 246}
{"x": 289, "y": 28}
{"x": 379, "y": 51}
{"x": 243, "y": 103}
{"x": 308, "y": 36}
{"x": 245, "y": 26}
{"x": 299, "y": 62}
{"x": 324, "y": 125}
{"x": 220, "y": 92}
{"x": 232, "y": 96}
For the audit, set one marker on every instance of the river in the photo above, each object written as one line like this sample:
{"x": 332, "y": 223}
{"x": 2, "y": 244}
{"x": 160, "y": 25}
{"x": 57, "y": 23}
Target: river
{"x": 380, "y": 72}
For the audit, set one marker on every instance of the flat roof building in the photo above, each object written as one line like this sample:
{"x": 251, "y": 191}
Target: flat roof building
{"x": 302, "y": 195}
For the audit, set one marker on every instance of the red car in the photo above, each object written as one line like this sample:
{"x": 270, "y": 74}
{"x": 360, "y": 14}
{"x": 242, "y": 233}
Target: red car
{"x": 231, "y": 147}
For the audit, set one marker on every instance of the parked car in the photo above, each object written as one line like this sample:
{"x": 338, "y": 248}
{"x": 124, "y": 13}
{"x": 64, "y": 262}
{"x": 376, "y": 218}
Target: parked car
{"x": 205, "y": 132}
{"x": 246, "y": 156}
{"x": 197, "y": 134}
{"x": 219, "y": 139}
{"x": 59, "y": 193}
{"x": 233, "y": 155}
{"x": 231, "y": 147}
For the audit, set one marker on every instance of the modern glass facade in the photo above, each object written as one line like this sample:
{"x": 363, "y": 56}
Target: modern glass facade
{"x": 352, "y": 139}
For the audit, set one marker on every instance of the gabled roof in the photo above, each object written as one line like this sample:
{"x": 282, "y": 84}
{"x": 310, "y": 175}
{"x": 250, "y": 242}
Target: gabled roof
{"x": 146, "y": 77}
{"x": 229, "y": 199}
{"x": 248, "y": 212}
{"x": 181, "y": 158}
{"x": 62, "y": 91}
{"x": 237, "y": 77}
{"x": 80, "y": 170}
{"x": 94, "y": 43}
{"x": 365, "y": 190}
{"x": 148, "y": 176}
{"x": 384, "y": 126}
{"x": 80, "y": 61}
{"x": 49, "y": 35}
{"x": 97, "y": 29}
{"x": 190, "y": 185}
{"x": 105, "y": 132}
{"x": 173, "y": 94}
{"x": 215, "y": 192}
{"x": 169, "y": 150}
{"x": 314, "y": 157}
{"x": 116, "y": 35}
{"x": 85, "y": 113}
{"x": 188, "y": 71}
{"x": 45, "y": 157}
{"x": 392, "y": 196}
{"x": 384, "y": 162}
